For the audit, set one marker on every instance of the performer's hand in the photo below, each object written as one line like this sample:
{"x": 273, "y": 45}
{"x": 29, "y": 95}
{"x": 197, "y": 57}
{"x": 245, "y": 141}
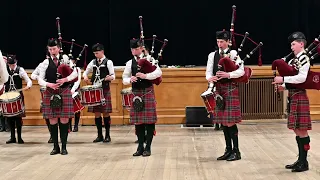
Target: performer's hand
{"x": 72, "y": 91}
{"x": 280, "y": 88}
{"x": 5, "y": 59}
{"x": 222, "y": 74}
{"x": 61, "y": 81}
{"x": 86, "y": 80}
{"x": 53, "y": 86}
{"x": 108, "y": 78}
{"x": 133, "y": 79}
{"x": 278, "y": 80}
{"x": 26, "y": 88}
{"x": 213, "y": 79}
{"x": 141, "y": 75}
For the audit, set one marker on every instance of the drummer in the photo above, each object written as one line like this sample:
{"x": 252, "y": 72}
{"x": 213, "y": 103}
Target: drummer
{"x": 16, "y": 74}
{"x": 102, "y": 72}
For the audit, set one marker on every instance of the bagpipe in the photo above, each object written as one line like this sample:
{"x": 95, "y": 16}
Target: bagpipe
{"x": 66, "y": 65}
{"x": 291, "y": 68}
{"x": 228, "y": 65}
{"x": 149, "y": 64}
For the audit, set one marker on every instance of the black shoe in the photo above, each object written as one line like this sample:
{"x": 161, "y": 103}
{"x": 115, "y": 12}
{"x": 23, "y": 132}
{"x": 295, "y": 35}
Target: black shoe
{"x": 55, "y": 151}
{"x": 107, "y": 139}
{"x": 98, "y": 139}
{"x": 11, "y": 141}
{"x": 301, "y": 166}
{"x": 292, "y": 166}
{"x": 235, "y": 155}
{"x": 217, "y": 127}
{"x": 75, "y": 129}
{"x": 2, "y": 129}
{"x": 20, "y": 141}
{"x": 138, "y": 153}
{"x": 64, "y": 152}
{"x": 146, "y": 153}
{"x": 226, "y": 155}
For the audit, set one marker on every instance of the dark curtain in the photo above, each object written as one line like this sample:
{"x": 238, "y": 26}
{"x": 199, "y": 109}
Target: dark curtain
{"x": 189, "y": 26}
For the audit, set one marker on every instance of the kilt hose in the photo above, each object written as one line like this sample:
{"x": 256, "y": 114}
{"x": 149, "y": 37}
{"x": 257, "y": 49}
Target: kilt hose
{"x": 298, "y": 110}
{"x": 231, "y": 113}
{"x": 107, "y": 108}
{"x": 149, "y": 114}
{"x": 66, "y": 111}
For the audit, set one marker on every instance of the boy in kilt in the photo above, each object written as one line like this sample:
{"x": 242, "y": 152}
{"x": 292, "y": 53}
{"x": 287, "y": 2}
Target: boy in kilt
{"x": 34, "y": 76}
{"x": 142, "y": 114}
{"x": 57, "y": 99}
{"x": 230, "y": 115}
{"x": 102, "y": 70}
{"x": 16, "y": 74}
{"x": 298, "y": 102}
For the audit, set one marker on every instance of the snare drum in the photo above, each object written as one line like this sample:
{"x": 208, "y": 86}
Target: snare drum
{"x": 77, "y": 106}
{"x": 127, "y": 97}
{"x": 11, "y": 104}
{"x": 91, "y": 95}
{"x": 208, "y": 98}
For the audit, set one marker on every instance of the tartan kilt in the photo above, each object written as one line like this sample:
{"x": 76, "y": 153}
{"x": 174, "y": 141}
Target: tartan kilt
{"x": 149, "y": 114}
{"x": 231, "y": 112}
{"x": 66, "y": 111}
{"x": 299, "y": 110}
{"x": 107, "y": 108}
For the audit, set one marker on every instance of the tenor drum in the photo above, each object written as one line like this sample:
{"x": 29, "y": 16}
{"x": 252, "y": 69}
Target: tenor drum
{"x": 127, "y": 97}
{"x": 91, "y": 95}
{"x": 11, "y": 104}
{"x": 209, "y": 101}
{"x": 77, "y": 106}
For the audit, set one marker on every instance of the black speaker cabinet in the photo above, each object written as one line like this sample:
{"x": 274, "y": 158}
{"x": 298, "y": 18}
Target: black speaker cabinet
{"x": 196, "y": 116}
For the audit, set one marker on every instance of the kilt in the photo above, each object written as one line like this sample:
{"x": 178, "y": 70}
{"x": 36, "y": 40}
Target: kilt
{"x": 231, "y": 112}
{"x": 149, "y": 114}
{"x": 107, "y": 108}
{"x": 299, "y": 110}
{"x": 66, "y": 111}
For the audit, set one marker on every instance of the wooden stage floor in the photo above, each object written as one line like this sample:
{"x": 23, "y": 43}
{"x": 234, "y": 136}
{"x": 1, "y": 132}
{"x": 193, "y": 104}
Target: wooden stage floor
{"x": 177, "y": 153}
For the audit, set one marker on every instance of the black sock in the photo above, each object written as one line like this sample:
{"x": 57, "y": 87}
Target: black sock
{"x": 76, "y": 119}
{"x": 305, "y": 146}
{"x": 48, "y": 124}
{"x": 227, "y": 137}
{"x": 19, "y": 126}
{"x": 70, "y": 124}
{"x": 12, "y": 124}
{"x": 107, "y": 121}
{"x": 98, "y": 122}
{"x": 150, "y": 133}
{"x": 233, "y": 131}
{"x": 54, "y": 135}
{"x": 64, "y": 134}
{"x": 140, "y": 130}
{"x": 299, "y": 145}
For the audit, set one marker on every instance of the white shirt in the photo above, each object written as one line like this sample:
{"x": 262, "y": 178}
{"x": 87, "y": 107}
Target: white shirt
{"x": 303, "y": 71}
{"x": 126, "y": 76}
{"x": 76, "y": 84}
{"x": 23, "y": 74}
{"x": 233, "y": 55}
{"x": 3, "y": 71}
{"x": 90, "y": 66}
{"x": 42, "y": 73}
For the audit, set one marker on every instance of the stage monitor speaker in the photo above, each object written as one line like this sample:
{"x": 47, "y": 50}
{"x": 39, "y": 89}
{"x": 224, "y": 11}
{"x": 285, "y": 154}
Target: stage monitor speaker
{"x": 197, "y": 115}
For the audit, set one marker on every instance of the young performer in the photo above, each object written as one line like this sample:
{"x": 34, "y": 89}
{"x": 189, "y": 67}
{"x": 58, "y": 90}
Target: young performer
{"x": 230, "y": 115}
{"x": 16, "y": 74}
{"x": 298, "y": 108}
{"x": 34, "y": 76}
{"x": 57, "y": 99}
{"x": 102, "y": 70}
{"x": 142, "y": 114}
{"x": 74, "y": 89}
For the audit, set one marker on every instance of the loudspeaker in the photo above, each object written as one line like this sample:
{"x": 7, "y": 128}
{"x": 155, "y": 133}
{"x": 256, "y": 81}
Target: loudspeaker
{"x": 198, "y": 115}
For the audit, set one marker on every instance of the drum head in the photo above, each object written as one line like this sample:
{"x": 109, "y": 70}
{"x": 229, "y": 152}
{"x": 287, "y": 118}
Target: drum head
{"x": 9, "y": 95}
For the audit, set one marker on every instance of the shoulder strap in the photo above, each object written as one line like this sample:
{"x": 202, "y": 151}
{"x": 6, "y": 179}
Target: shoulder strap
{"x": 134, "y": 67}
{"x": 215, "y": 62}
